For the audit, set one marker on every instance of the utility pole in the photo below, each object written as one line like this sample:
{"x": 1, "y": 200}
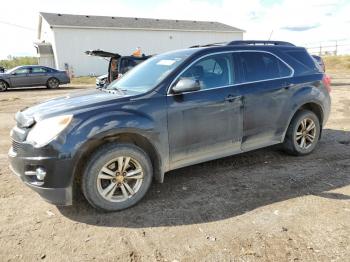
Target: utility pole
{"x": 320, "y": 48}
{"x": 336, "y": 47}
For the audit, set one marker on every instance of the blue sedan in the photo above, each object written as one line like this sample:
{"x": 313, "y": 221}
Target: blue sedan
{"x": 27, "y": 76}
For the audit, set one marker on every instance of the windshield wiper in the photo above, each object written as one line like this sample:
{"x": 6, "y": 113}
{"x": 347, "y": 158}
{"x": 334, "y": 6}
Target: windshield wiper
{"x": 114, "y": 90}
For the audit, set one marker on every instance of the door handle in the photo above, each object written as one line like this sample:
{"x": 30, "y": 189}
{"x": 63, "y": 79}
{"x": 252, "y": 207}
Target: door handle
{"x": 287, "y": 85}
{"x": 232, "y": 98}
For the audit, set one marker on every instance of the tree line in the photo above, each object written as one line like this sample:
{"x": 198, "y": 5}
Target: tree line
{"x": 11, "y": 62}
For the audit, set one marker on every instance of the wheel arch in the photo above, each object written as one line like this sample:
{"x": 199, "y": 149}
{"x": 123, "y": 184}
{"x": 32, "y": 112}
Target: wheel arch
{"x": 5, "y": 81}
{"x": 314, "y": 107}
{"x": 124, "y": 137}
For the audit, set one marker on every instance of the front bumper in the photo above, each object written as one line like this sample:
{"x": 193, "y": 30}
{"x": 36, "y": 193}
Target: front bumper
{"x": 56, "y": 188}
{"x": 100, "y": 84}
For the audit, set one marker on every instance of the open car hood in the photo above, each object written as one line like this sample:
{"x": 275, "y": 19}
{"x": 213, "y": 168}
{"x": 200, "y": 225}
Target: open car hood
{"x": 102, "y": 53}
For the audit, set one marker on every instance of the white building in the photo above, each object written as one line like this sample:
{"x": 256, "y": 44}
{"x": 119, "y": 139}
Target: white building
{"x": 63, "y": 38}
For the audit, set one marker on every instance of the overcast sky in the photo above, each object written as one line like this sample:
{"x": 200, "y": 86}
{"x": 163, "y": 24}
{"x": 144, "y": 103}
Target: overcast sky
{"x": 304, "y": 22}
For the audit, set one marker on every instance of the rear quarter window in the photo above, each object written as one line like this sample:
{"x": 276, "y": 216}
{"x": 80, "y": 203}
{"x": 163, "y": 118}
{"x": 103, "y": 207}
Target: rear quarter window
{"x": 302, "y": 62}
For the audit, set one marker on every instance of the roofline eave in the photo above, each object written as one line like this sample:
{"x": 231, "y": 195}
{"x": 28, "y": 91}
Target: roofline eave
{"x": 145, "y": 29}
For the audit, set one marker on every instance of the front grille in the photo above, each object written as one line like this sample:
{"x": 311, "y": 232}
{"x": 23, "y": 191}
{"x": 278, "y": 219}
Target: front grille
{"x": 17, "y": 147}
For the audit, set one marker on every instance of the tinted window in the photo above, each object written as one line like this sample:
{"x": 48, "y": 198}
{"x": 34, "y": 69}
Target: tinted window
{"x": 303, "y": 58}
{"x": 50, "y": 70}
{"x": 127, "y": 64}
{"x": 212, "y": 71}
{"x": 262, "y": 66}
{"x": 24, "y": 70}
{"x": 38, "y": 70}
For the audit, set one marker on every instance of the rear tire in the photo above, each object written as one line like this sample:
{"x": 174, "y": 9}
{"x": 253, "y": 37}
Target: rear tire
{"x": 3, "y": 86}
{"x": 117, "y": 177}
{"x": 52, "y": 82}
{"x": 303, "y": 133}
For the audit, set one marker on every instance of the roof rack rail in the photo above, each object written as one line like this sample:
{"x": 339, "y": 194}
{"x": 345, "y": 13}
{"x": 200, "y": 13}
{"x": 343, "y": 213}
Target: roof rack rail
{"x": 208, "y": 45}
{"x": 259, "y": 42}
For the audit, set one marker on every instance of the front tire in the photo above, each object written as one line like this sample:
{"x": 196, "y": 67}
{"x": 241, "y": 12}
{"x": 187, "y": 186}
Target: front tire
{"x": 117, "y": 177}
{"x": 3, "y": 86}
{"x": 303, "y": 133}
{"x": 52, "y": 83}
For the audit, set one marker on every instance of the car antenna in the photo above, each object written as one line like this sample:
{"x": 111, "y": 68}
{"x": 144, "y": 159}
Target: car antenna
{"x": 270, "y": 35}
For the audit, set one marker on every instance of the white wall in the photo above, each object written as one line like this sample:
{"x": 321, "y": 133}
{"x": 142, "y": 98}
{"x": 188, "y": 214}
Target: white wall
{"x": 47, "y": 61}
{"x": 47, "y": 35}
{"x": 70, "y": 44}
{"x": 46, "y": 32}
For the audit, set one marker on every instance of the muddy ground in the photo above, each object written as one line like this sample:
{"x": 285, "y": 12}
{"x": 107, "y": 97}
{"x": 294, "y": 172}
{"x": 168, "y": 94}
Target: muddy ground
{"x": 259, "y": 206}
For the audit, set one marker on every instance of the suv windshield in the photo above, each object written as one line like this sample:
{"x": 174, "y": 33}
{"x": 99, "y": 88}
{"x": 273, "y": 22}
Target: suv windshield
{"x": 150, "y": 73}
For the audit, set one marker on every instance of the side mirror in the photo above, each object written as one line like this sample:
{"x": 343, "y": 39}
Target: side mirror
{"x": 186, "y": 85}
{"x": 14, "y": 73}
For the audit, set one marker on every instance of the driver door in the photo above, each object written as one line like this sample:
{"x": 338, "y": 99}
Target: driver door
{"x": 20, "y": 77}
{"x": 205, "y": 124}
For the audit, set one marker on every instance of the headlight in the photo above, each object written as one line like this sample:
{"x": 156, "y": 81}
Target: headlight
{"x": 47, "y": 130}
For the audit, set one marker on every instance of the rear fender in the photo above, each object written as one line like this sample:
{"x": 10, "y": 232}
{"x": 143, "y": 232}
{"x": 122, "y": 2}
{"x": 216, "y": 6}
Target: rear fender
{"x": 305, "y": 95}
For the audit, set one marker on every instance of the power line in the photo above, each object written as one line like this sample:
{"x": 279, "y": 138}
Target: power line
{"x": 326, "y": 41}
{"x": 326, "y": 46}
{"x": 19, "y": 26}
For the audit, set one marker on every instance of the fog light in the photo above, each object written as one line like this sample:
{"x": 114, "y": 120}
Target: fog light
{"x": 40, "y": 173}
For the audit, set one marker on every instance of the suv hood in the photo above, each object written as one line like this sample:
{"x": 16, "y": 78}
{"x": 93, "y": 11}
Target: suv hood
{"x": 74, "y": 103}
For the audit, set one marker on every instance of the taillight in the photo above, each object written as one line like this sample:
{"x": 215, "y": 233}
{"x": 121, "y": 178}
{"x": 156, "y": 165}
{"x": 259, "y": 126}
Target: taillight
{"x": 327, "y": 82}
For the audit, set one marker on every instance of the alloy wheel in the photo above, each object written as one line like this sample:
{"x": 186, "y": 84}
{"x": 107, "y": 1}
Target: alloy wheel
{"x": 3, "y": 86}
{"x": 306, "y": 133}
{"x": 120, "y": 179}
{"x": 53, "y": 83}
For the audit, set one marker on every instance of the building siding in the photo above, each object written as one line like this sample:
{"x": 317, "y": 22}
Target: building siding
{"x": 69, "y": 44}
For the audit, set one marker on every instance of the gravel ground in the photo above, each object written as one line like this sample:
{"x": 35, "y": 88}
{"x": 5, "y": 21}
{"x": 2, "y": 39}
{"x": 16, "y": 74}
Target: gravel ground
{"x": 258, "y": 206}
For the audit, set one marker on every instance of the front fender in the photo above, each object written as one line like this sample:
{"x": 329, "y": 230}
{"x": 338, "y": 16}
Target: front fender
{"x": 7, "y": 81}
{"x": 101, "y": 127}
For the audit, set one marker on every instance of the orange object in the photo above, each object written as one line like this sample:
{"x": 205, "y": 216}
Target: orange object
{"x": 137, "y": 52}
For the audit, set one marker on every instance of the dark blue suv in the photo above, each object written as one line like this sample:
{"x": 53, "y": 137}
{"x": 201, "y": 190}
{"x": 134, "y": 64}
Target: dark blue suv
{"x": 175, "y": 109}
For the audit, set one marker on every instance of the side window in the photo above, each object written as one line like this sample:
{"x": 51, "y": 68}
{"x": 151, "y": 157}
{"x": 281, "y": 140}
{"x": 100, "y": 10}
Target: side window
{"x": 21, "y": 71}
{"x": 303, "y": 58}
{"x": 126, "y": 65}
{"x": 259, "y": 66}
{"x": 212, "y": 71}
{"x": 284, "y": 70}
{"x": 38, "y": 70}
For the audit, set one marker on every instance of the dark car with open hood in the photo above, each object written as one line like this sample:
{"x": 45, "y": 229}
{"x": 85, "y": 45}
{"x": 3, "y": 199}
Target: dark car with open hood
{"x": 118, "y": 65}
{"x": 173, "y": 110}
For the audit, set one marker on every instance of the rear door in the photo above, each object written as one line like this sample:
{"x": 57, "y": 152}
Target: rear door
{"x": 266, "y": 90}
{"x": 205, "y": 124}
{"x": 39, "y": 75}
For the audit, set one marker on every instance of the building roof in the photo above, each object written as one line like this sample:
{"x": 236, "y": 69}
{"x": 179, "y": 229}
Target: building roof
{"x": 89, "y": 21}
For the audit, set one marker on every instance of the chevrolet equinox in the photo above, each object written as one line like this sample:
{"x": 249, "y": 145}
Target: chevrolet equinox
{"x": 173, "y": 110}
